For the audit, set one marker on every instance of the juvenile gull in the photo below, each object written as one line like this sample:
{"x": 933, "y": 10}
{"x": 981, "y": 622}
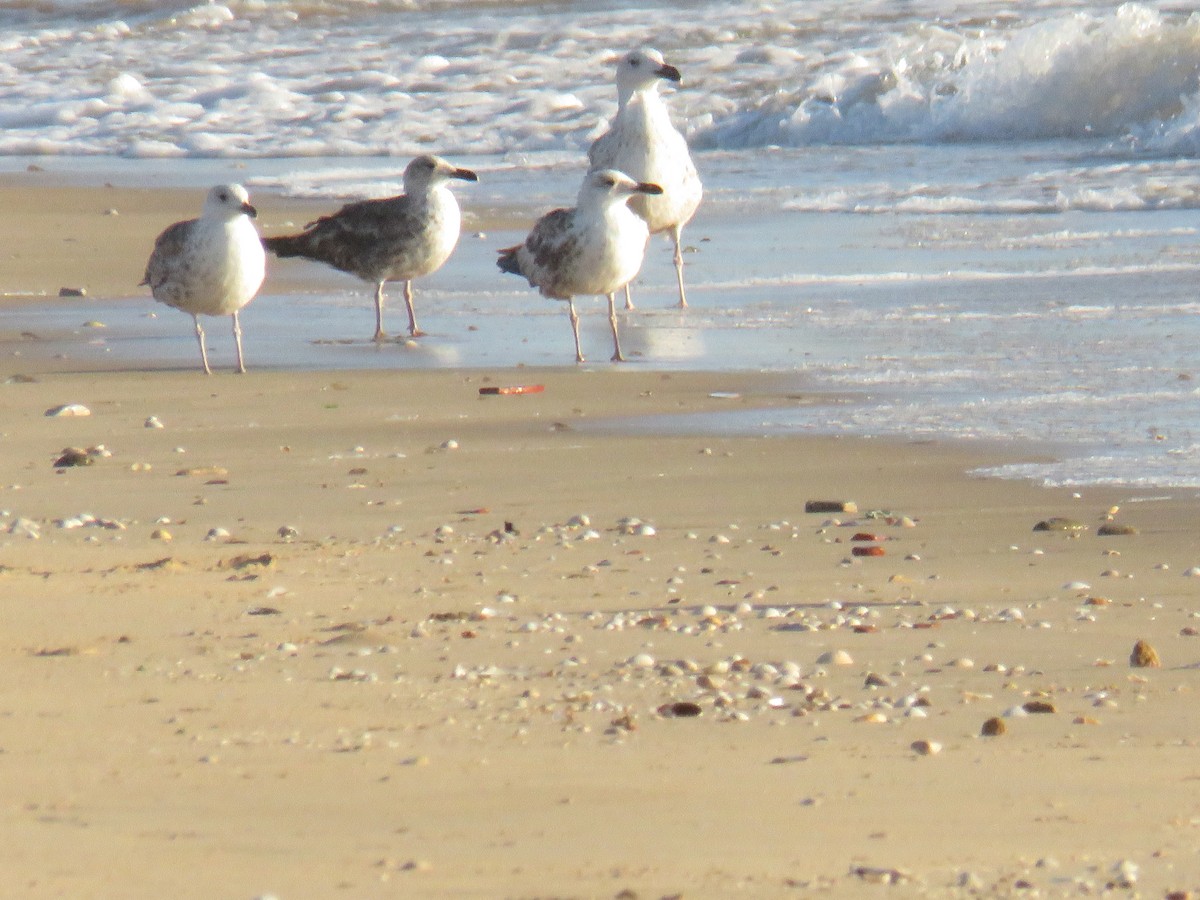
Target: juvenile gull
{"x": 392, "y": 239}
{"x": 642, "y": 143}
{"x": 594, "y": 248}
{"x": 211, "y": 266}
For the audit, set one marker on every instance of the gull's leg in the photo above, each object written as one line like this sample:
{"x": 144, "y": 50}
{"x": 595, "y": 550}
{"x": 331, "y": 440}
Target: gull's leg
{"x": 413, "y": 330}
{"x": 237, "y": 342}
{"x": 677, "y": 234}
{"x": 380, "y": 334}
{"x": 628, "y": 298}
{"x": 203, "y": 349}
{"x": 612, "y": 321}
{"x": 575, "y": 328}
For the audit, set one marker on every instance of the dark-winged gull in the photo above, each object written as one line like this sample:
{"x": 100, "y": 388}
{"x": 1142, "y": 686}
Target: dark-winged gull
{"x": 391, "y": 239}
{"x": 642, "y": 143}
{"x": 211, "y": 266}
{"x": 594, "y": 248}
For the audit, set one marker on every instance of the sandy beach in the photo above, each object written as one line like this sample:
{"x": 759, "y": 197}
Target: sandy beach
{"x": 381, "y": 634}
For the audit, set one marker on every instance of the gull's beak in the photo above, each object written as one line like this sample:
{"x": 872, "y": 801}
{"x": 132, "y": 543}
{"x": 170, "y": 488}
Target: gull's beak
{"x": 647, "y": 187}
{"x": 250, "y": 210}
{"x": 668, "y": 72}
{"x": 464, "y": 174}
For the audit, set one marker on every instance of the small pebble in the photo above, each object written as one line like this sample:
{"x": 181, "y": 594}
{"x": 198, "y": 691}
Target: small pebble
{"x": 993, "y": 727}
{"x": 1144, "y": 656}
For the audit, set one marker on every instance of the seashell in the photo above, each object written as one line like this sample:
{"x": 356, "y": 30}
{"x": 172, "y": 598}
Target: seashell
{"x": 926, "y": 748}
{"x": 68, "y": 410}
{"x": 1111, "y": 529}
{"x": 579, "y": 521}
{"x": 449, "y": 444}
{"x": 642, "y": 661}
{"x": 73, "y": 456}
{"x": 680, "y": 709}
{"x": 153, "y": 422}
{"x": 866, "y": 537}
{"x": 831, "y": 506}
{"x": 875, "y": 680}
{"x": 288, "y": 532}
{"x": 1076, "y": 586}
{"x": 1144, "y": 656}
{"x": 216, "y": 534}
{"x": 993, "y": 727}
{"x": 1038, "y": 706}
{"x": 835, "y": 658}
{"x": 873, "y": 550}
{"x": 1085, "y": 720}
{"x": 875, "y": 718}
{"x": 25, "y": 528}
{"x": 1059, "y": 523}
{"x": 160, "y": 534}
{"x": 876, "y": 875}
{"x": 1125, "y": 874}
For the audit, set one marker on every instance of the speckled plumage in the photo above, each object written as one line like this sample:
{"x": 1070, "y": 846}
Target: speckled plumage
{"x": 642, "y": 143}
{"x": 596, "y": 247}
{"x": 211, "y": 266}
{"x": 392, "y": 239}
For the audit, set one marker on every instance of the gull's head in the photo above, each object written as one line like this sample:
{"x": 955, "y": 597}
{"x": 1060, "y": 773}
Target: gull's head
{"x": 640, "y": 70}
{"x": 429, "y": 170}
{"x": 609, "y": 185}
{"x": 227, "y": 201}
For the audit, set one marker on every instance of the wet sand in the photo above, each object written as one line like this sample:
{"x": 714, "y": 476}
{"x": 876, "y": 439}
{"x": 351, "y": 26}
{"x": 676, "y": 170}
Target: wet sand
{"x": 379, "y": 634}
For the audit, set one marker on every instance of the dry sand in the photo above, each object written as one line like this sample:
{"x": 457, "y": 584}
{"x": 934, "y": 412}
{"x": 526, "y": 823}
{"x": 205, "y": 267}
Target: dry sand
{"x": 377, "y": 635}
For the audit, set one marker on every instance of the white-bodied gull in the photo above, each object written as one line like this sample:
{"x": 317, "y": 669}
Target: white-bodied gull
{"x": 391, "y": 239}
{"x": 210, "y": 266}
{"x": 594, "y": 248}
{"x": 642, "y": 143}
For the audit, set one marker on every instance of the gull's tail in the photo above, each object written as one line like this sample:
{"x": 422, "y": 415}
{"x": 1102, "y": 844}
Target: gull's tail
{"x": 508, "y": 262}
{"x": 289, "y": 245}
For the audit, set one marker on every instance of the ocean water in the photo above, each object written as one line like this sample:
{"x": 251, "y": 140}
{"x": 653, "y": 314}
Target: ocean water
{"x": 970, "y": 221}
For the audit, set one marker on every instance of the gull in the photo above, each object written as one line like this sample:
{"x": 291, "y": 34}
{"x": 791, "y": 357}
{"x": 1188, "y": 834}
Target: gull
{"x": 211, "y": 266}
{"x": 642, "y": 143}
{"x": 391, "y": 239}
{"x": 596, "y": 247}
